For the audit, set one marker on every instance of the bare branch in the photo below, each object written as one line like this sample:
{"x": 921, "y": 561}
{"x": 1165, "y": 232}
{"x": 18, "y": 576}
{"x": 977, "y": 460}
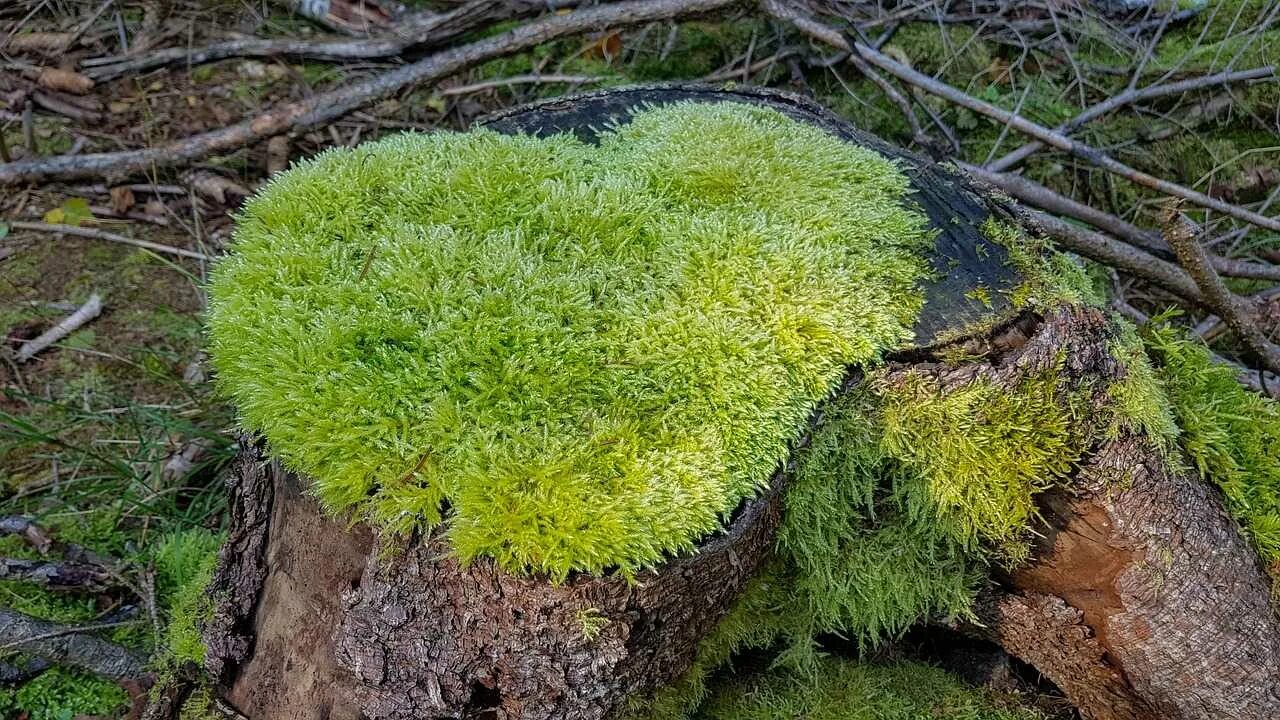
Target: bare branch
{"x": 1183, "y": 237}
{"x": 73, "y": 646}
{"x": 323, "y": 107}
{"x": 103, "y": 235}
{"x": 413, "y": 30}
{"x": 81, "y": 577}
{"x": 1058, "y": 140}
{"x": 1033, "y": 193}
{"x": 91, "y": 309}
{"x": 1130, "y": 97}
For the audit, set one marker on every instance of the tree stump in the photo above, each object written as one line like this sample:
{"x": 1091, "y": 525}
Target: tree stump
{"x": 1144, "y": 603}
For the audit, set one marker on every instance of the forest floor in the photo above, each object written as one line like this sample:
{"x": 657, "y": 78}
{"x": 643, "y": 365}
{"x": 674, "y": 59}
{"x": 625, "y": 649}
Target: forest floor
{"x": 114, "y": 438}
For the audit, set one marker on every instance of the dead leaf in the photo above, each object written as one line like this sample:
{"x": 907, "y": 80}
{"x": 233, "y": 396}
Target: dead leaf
{"x": 216, "y": 187}
{"x": 277, "y": 154}
{"x": 608, "y": 47}
{"x": 999, "y": 71}
{"x": 122, "y": 199}
{"x": 39, "y": 42}
{"x": 118, "y": 107}
{"x": 64, "y": 80}
{"x": 73, "y": 211}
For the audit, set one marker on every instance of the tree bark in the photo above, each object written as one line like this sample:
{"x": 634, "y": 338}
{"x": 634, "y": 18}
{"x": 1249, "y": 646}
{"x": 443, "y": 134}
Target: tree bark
{"x": 1143, "y": 601}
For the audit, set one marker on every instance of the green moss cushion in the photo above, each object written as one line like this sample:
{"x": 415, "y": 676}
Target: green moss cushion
{"x": 575, "y": 357}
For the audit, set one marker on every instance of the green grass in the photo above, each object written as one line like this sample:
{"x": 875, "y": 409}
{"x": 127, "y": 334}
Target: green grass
{"x": 588, "y": 354}
{"x": 847, "y": 690}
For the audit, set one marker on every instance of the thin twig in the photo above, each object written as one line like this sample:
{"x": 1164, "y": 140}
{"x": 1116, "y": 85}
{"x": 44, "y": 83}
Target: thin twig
{"x": 91, "y": 309}
{"x": 323, "y": 107}
{"x": 1183, "y": 237}
{"x": 421, "y": 29}
{"x": 1129, "y": 97}
{"x": 1033, "y": 193}
{"x": 1058, "y": 140}
{"x": 103, "y": 235}
{"x": 819, "y": 31}
{"x": 519, "y": 80}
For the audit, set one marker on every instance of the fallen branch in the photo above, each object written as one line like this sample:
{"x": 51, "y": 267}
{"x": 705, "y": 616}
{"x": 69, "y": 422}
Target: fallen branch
{"x": 91, "y": 309}
{"x": 1033, "y": 193}
{"x": 1115, "y": 253}
{"x": 103, "y": 235}
{"x": 14, "y": 676}
{"x": 1183, "y": 237}
{"x": 1130, "y": 97}
{"x": 81, "y": 577}
{"x": 817, "y": 30}
{"x": 72, "y": 646}
{"x": 416, "y": 30}
{"x": 1058, "y": 140}
{"x": 323, "y": 107}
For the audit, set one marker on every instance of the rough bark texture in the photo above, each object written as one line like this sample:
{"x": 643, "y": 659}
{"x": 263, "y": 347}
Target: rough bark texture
{"x": 1144, "y": 601}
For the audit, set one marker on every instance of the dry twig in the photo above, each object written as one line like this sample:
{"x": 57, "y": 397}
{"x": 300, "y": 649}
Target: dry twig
{"x": 322, "y": 107}
{"x": 91, "y": 309}
{"x": 1033, "y": 193}
{"x": 103, "y": 235}
{"x": 1184, "y": 239}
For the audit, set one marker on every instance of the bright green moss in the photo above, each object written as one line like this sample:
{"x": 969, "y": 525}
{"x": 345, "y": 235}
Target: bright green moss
{"x": 61, "y": 694}
{"x": 184, "y": 566}
{"x": 902, "y": 500}
{"x": 847, "y": 690}
{"x": 981, "y": 452}
{"x": 1232, "y": 435}
{"x": 588, "y": 354}
{"x": 1139, "y": 402}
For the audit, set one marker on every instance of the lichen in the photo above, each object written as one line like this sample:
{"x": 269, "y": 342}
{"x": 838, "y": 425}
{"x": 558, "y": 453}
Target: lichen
{"x": 589, "y": 355}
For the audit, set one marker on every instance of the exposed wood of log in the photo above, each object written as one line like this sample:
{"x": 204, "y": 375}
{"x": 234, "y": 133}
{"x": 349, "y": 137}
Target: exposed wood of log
{"x": 1143, "y": 600}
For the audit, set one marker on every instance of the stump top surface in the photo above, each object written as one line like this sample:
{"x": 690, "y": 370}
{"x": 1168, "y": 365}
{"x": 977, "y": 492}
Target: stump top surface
{"x": 964, "y": 260}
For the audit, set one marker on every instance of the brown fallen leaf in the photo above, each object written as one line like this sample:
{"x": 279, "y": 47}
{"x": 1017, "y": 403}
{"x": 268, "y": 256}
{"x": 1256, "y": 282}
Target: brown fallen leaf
{"x": 64, "y": 80}
{"x": 122, "y": 199}
{"x": 216, "y": 187}
{"x": 47, "y": 42}
{"x": 277, "y": 154}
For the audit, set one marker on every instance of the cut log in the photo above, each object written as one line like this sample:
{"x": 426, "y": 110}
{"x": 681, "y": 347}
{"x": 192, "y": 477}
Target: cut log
{"x": 1144, "y": 601}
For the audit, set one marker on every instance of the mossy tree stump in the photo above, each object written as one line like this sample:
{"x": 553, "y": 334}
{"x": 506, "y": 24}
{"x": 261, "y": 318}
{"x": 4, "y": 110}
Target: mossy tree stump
{"x": 1142, "y": 600}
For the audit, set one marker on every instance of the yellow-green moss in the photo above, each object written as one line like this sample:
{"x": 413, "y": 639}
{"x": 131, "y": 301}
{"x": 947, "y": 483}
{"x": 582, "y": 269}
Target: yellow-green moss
{"x": 848, "y": 690}
{"x": 903, "y": 498}
{"x": 588, "y": 354}
{"x": 1230, "y": 434}
{"x": 1049, "y": 277}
